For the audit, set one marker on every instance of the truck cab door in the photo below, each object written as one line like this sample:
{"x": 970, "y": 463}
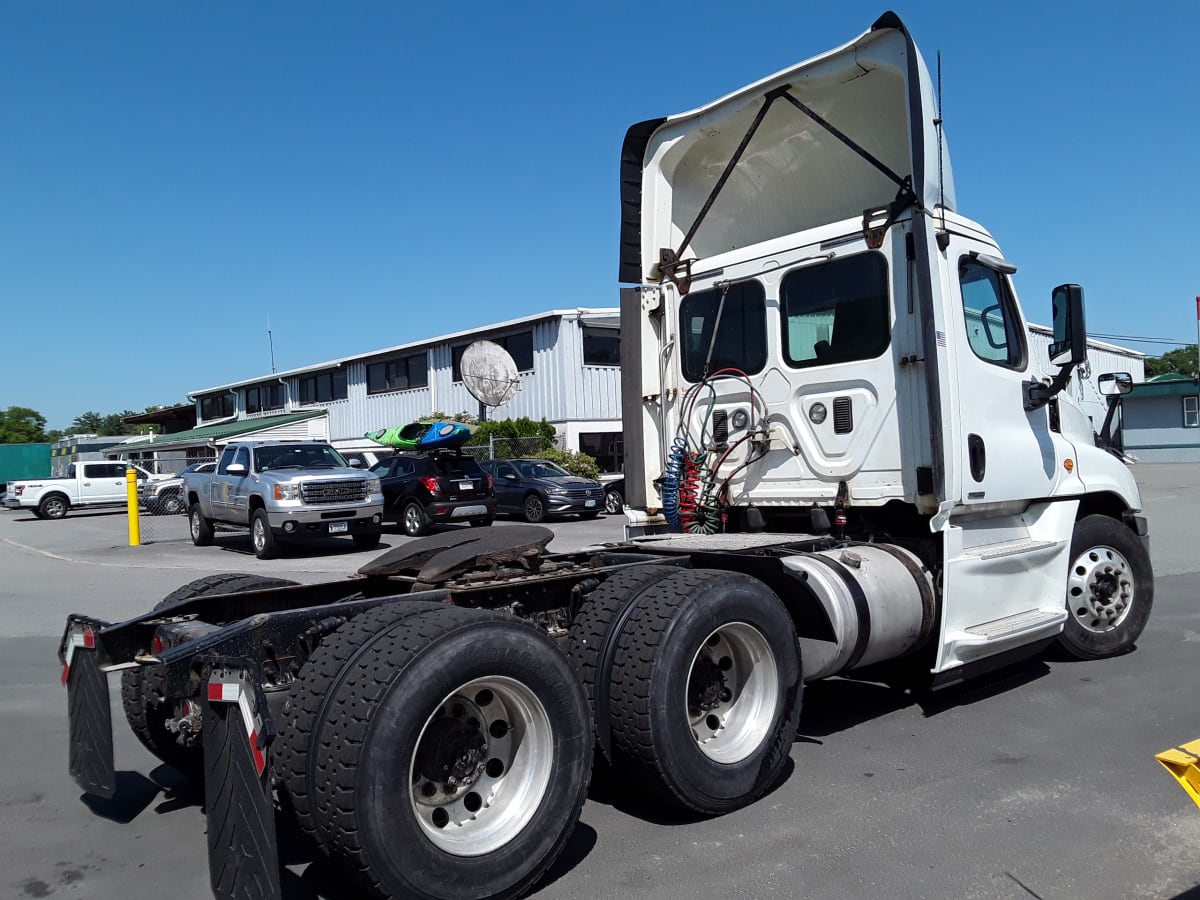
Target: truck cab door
{"x": 102, "y": 482}
{"x": 1004, "y": 452}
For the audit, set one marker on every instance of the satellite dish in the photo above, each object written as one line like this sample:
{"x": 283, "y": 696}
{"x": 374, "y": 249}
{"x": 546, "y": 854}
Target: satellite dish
{"x": 489, "y": 373}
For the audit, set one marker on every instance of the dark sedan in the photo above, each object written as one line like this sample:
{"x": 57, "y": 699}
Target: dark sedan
{"x": 537, "y": 488}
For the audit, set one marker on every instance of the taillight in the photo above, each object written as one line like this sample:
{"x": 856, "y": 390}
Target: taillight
{"x": 158, "y": 645}
{"x": 431, "y": 484}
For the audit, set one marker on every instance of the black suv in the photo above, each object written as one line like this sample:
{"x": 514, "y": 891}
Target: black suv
{"x": 422, "y": 489}
{"x": 536, "y": 488}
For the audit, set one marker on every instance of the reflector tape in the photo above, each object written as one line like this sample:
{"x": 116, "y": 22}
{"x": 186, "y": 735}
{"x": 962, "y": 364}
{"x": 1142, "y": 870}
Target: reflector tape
{"x": 85, "y": 639}
{"x": 232, "y": 692}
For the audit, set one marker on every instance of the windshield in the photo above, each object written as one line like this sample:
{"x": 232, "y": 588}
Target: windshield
{"x": 306, "y": 456}
{"x": 540, "y": 469}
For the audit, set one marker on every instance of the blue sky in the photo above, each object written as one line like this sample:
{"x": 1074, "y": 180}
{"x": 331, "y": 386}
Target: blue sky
{"x": 174, "y": 175}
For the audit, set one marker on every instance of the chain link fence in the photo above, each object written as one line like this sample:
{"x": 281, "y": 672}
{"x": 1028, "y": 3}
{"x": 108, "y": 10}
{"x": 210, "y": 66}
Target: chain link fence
{"x": 162, "y": 507}
{"x": 515, "y": 448}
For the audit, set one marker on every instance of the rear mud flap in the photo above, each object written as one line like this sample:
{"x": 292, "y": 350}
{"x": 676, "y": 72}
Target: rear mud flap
{"x": 90, "y": 757}
{"x": 243, "y": 854}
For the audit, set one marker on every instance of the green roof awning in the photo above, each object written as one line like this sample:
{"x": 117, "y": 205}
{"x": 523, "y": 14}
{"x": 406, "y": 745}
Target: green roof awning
{"x": 225, "y": 431}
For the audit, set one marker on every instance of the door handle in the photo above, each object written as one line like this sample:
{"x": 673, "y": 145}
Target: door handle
{"x": 976, "y": 456}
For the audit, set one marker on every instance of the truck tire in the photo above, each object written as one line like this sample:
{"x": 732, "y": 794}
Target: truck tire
{"x": 533, "y": 508}
{"x": 590, "y": 627}
{"x": 201, "y": 528}
{"x": 414, "y": 520}
{"x": 367, "y": 540}
{"x": 705, "y": 690}
{"x": 141, "y": 689}
{"x": 53, "y": 506}
{"x": 261, "y": 537}
{"x": 461, "y": 753}
{"x": 294, "y": 758}
{"x": 1110, "y": 589}
{"x": 171, "y": 504}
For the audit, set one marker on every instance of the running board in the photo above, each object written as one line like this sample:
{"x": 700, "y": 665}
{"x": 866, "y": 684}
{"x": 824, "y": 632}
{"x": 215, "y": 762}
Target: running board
{"x": 988, "y": 638}
{"x": 1008, "y": 548}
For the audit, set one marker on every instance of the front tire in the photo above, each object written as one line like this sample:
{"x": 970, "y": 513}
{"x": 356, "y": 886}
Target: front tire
{"x": 262, "y": 537}
{"x": 613, "y": 502}
{"x": 534, "y": 509}
{"x": 170, "y": 505}
{"x": 463, "y": 763}
{"x": 53, "y": 507}
{"x": 201, "y": 528}
{"x": 1110, "y": 589}
{"x": 705, "y": 690}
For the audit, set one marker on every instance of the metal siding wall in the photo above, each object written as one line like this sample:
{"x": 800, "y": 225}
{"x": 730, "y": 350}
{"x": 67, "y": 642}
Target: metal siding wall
{"x": 1153, "y": 430}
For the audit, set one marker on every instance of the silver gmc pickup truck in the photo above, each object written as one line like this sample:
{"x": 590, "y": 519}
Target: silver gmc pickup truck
{"x": 284, "y": 490}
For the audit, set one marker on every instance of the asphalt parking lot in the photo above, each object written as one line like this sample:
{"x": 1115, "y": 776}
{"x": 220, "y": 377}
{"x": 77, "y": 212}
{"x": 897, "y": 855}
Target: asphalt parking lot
{"x": 1040, "y": 782}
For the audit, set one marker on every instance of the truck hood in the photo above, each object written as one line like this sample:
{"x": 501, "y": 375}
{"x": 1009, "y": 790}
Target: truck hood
{"x": 793, "y": 173}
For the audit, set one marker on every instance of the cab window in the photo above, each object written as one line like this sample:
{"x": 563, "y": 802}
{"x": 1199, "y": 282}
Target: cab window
{"x": 736, "y": 315}
{"x": 836, "y": 312}
{"x": 989, "y": 310}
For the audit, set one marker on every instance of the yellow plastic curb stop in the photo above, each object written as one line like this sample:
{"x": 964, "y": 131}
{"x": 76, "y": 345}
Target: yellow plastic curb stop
{"x": 1183, "y": 762}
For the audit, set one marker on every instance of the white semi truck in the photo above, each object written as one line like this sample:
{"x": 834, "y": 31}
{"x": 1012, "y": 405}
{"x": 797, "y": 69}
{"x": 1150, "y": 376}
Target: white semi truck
{"x": 839, "y": 461}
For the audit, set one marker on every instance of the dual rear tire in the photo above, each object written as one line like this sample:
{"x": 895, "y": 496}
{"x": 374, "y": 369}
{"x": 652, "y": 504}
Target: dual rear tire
{"x": 696, "y": 674}
{"x": 439, "y": 751}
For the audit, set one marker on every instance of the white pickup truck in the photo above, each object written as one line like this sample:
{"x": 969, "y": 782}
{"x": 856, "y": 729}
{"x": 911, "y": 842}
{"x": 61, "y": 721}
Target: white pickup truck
{"x": 87, "y": 485}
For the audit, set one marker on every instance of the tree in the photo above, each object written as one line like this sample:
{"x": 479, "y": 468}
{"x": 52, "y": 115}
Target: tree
{"x": 1181, "y": 360}
{"x": 88, "y": 423}
{"x": 22, "y": 425}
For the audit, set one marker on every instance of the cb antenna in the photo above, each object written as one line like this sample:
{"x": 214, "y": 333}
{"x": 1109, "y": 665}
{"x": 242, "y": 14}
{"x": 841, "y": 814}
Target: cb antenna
{"x": 944, "y": 237}
{"x": 271, "y": 343}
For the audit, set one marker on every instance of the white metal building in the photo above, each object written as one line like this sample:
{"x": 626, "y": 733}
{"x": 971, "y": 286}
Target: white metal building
{"x": 567, "y": 359}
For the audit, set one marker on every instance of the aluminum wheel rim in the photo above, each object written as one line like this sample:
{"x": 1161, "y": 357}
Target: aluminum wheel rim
{"x": 54, "y": 508}
{"x": 492, "y": 738}
{"x": 195, "y": 523}
{"x": 611, "y": 504}
{"x": 1100, "y": 589}
{"x": 534, "y": 508}
{"x": 412, "y": 519}
{"x": 258, "y": 534}
{"x": 730, "y": 723}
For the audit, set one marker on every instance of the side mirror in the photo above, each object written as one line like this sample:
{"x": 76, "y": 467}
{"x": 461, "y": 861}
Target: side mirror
{"x": 354, "y": 463}
{"x": 1110, "y": 384}
{"x": 235, "y": 469}
{"x": 1070, "y": 336}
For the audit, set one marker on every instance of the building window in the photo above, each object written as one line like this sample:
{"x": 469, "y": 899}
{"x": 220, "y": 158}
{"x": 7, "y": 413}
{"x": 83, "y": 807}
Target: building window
{"x": 264, "y": 397}
{"x": 1191, "y": 413}
{"x": 606, "y": 447}
{"x": 519, "y": 347}
{"x": 738, "y": 316}
{"x": 218, "y": 406}
{"x": 601, "y": 346}
{"x": 836, "y": 312}
{"x": 323, "y": 387}
{"x": 399, "y": 374}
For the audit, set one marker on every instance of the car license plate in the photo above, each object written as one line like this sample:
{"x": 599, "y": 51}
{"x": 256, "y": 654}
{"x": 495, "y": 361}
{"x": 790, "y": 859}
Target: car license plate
{"x": 465, "y": 485}
{"x": 339, "y": 527}
{"x": 589, "y": 503}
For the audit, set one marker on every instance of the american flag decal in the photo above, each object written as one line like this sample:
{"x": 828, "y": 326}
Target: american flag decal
{"x": 941, "y": 338}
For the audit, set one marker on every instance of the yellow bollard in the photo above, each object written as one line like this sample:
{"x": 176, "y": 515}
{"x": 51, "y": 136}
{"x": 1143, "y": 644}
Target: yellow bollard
{"x": 131, "y": 497}
{"x": 1183, "y": 762}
